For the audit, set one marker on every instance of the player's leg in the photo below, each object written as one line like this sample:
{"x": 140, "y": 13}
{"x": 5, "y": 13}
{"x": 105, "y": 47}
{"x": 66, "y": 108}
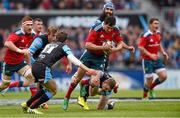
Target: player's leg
{"x": 8, "y": 70}
{"x": 19, "y": 83}
{"x": 148, "y": 77}
{"x": 147, "y": 84}
{"x": 161, "y": 72}
{"x": 43, "y": 95}
{"x": 162, "y": 76}
{"x": 75, "y": 80}
{"x": 84, "y": 85}
{"x": 5, "y": 82}
{"x": 47, "y": 94}
{"x": 26, "y": 72}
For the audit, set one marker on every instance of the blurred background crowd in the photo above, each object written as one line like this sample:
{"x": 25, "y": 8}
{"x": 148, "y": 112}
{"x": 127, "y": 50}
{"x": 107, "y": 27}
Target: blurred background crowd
{"x": 22, "y": 5}
{"x": 123, "y": 59}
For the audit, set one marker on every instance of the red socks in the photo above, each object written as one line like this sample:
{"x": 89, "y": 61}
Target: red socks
{"x": 16, "y": 84}
{"x": 71, "y": 88}
{"x": 33, "y": 91}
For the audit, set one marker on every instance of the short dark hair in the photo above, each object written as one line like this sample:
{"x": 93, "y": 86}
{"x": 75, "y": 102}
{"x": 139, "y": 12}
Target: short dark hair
{"x": 38, "y": 19}
{"x": 110, "y": 20}
{"x": 152, "y": 20}
{"x": 61, "y": 36}
{"x": 112, "y": 83}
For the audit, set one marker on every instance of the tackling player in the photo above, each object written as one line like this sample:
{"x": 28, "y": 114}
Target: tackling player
{"x": 108, "y": 10}
{"x": 94, "y": 56}
{"x": 104, "y": 88}
{"x": 41, "y": 70}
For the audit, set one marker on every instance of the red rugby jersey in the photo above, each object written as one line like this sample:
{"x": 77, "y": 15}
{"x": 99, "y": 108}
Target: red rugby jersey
{"x": 97, "y": 36}
{"x": 20, "y": 40}
{"x": 151, "y": 42}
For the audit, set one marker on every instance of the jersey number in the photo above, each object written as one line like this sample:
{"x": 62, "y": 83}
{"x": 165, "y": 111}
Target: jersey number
{"x": 48, "y": 49}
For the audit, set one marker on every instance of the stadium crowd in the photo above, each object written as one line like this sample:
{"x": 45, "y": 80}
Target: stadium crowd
{"x": 170, "y": 40}
{"x": 123, "y": 59}
{"x": 22, "y": 5}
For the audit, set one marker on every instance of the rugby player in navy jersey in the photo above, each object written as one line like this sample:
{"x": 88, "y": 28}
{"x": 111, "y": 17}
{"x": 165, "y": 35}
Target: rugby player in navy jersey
{"x": 42, "y": 72}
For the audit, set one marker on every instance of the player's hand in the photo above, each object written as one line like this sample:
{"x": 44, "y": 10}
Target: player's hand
{"x": 107, "y": 47}
{"x": 91, "y": 72}
{"x": 23, "y": 51}
{"x": 95, "y": 82}
{"x": 154, "y": 56}
{"x": 69, "y": 68}
{"x": 26, "y": 52}
{"x": 132, "y": 49}
{"x": 115, "y": 89}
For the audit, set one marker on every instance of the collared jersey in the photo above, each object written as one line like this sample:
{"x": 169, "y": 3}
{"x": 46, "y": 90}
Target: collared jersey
{"x": 53, "y": 52}
{"x": 151, "y": 42}
{"x": 20, "y": 40}
{"x": 97, "y": 36}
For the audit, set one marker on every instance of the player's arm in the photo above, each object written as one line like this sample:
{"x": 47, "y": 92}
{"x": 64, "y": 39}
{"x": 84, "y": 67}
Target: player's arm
{"x": 92, "y": 37}
{"x": 27, "y": 58}
{"x": 144, "y": 51}
{"x": 76, "y": 61}
{"x": 10, "y": 44}
{"x": 163, "y": 52}
{"x": 91, "y": 46}
{"x": 141, "y": 45}
{"x": 36, "y": 44}
{"x": 117, "y": 48}
{"x": 69, "y": 67}
{"x": 93, "y": 90}
{"x": 102, "y": 102}
{"x": 119, "y": 39}
{"x": 130, "y": 48}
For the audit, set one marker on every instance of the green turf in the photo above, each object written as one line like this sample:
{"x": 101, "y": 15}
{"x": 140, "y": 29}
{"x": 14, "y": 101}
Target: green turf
{"x": 121, "y": 93}
{"x": 122, "y": 109}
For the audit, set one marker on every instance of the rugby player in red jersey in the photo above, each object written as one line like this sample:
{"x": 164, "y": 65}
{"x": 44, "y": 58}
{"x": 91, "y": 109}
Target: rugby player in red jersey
{"x": 94, "y": 56}
{"x": 17, "y": 50}
{"x": 149, "y": 46}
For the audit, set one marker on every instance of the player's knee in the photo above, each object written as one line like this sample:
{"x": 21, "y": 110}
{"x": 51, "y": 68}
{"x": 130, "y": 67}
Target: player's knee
{"x": 75, "y": 80}
{"x": 28, "y": 75}
{"x": 5, "y": 83}
{"x": 54, "y": 92}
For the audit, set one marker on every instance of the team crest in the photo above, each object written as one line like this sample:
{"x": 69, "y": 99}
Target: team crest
{"x": 151, "y": 40}
{"x": 102, "y": 36}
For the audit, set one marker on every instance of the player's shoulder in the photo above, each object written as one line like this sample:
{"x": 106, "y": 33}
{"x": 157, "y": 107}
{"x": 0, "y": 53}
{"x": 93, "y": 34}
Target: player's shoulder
{"x": 97, "y": 26}
{"x": 158, "y": 32}
{"x": 43, "y": 36}
{"x": 59, "y": 44}
{"x": 146, "y": 34}
{"x": 116, "y": 28}
{"x": 18, "y": 32}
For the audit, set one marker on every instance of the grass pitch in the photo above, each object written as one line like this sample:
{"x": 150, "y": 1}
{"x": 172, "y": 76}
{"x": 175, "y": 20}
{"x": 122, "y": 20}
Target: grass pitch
{"x": 122, "y": 109}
